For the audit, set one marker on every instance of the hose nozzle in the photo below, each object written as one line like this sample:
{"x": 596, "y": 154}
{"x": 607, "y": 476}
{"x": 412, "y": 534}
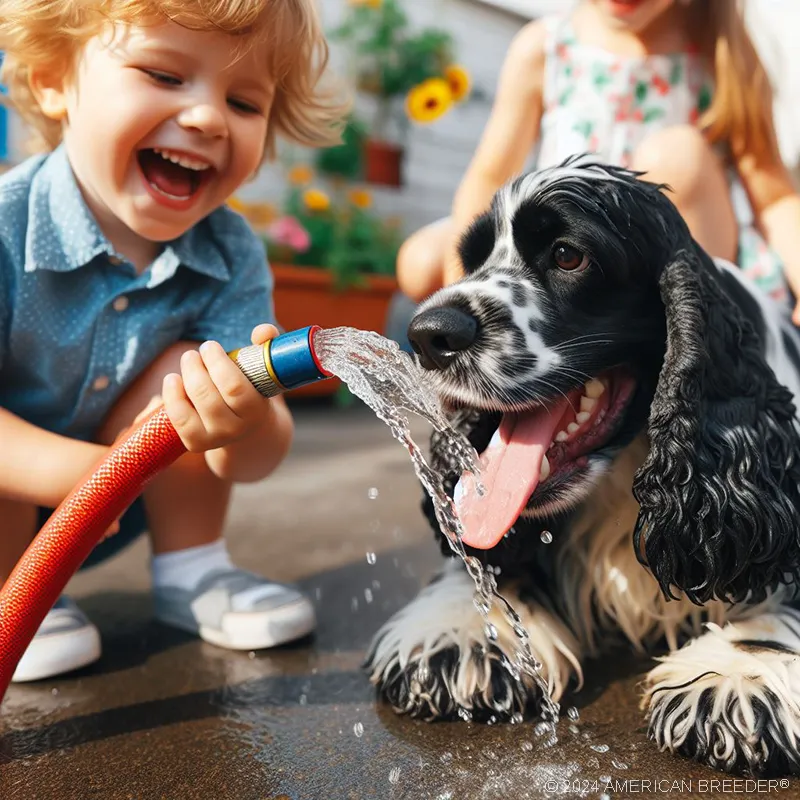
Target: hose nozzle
{"x": 286, "y": 362}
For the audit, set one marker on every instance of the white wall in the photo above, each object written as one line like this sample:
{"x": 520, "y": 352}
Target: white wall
{"x": 437, "y": 154}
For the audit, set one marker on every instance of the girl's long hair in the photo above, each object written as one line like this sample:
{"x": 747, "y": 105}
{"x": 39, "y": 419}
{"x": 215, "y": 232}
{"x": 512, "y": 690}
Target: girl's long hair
{"x": 741, "y": 113}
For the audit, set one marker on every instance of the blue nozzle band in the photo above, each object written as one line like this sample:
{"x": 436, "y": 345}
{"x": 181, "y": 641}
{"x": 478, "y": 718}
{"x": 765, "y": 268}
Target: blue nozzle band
{"x": 292, "y": 358}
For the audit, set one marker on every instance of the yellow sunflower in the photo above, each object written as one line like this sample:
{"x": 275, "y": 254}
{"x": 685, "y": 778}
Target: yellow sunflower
{"x": 360, "y": 198}
{"x": 300, "y": 175}
{"x": 316, "y": 200}
{"x": 430, "y": 99}
{"x": 459, "y": 81}
{"x": 237, "y": 205}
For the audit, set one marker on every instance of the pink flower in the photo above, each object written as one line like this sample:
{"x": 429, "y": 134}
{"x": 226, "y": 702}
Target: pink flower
{"x": 288, "y": 231}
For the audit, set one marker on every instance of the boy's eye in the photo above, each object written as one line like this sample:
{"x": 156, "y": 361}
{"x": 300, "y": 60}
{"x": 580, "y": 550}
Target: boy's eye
{"x": 164, "y": 78}
{"x": 243, "y": 106}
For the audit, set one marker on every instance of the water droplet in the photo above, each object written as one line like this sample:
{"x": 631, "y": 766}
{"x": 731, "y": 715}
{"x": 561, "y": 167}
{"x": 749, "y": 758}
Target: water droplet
{"x": 574, "y": 729}
{"x": 541, "y": 728}
{"x": 371, "y": 558}
{"x": 527, "y": 747}
{"x": 251, "y": 655}
{"x": 354, "y": 604}
{"x": 481, "y": 603}
{"x": 617, "y": 764}
{"x": 445, "y": 758}
{"x": 517, "y": 719}
{"x": 372, "y": 493}
{"x": 394, "y": 776}
{"x": 600, "y": 748}
{"x": 358, "y": 730}
{"x": 491, "y": 632}
{"x": 573, "y": 713}
{"x": 605, "y": 796}
{"x": 546, "y": 537}
{"x": 54, "y": 691}
{"x": 368, "y": 595}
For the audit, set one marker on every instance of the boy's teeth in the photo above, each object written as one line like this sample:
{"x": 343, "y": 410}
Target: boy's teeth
{"x": 572, "y": 427}
{"x": 545, "y": 471}
{"x": 562, "y": 436}
{"x": 583, "y": 417}
{"x": 184, "y": 161}
{"x": 594, "y": 388}
{"x": 587, "y": 403}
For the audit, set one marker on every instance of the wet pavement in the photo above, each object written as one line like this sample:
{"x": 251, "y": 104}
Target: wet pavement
{"x": 166, "y": 716}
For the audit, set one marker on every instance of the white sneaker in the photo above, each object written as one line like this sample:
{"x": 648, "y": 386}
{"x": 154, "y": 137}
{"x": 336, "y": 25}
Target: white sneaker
{"x": 237, "y": 609}
{"x": 66, "y": 640}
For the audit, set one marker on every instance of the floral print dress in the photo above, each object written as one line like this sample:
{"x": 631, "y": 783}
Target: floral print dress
{"x": 595, "y": 101}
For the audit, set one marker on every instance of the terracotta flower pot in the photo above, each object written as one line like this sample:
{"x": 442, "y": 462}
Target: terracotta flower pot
{"x": 308, "y": 296}
{"x": 383, "y": 163}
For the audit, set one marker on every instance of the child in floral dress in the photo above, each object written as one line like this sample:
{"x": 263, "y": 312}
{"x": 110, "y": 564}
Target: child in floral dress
{"x": 630, "y": 81}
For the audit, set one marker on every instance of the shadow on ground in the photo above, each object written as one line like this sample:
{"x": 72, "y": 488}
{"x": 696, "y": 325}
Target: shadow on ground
{"x": 163, "y": 715}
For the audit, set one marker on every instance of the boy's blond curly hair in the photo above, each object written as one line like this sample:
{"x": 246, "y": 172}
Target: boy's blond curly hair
{"x": 48, "y": 35}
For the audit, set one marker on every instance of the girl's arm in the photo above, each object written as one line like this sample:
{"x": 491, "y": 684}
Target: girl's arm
{"x": 776, "y": 205}
{"x": 511, "y": 131}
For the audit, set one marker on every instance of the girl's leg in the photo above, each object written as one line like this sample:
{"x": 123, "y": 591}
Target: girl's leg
{"x": 420, "y": 262}
{"x": 681, "y": 158}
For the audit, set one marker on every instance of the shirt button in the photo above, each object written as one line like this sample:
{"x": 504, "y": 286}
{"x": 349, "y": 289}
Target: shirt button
{"x": 121, "y": 303}
{"x": 100, "y": 383}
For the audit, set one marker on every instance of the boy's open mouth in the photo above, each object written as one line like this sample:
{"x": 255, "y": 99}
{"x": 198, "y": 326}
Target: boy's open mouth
{"x": 532, "y": 447}
{"x": 172, "y": 175}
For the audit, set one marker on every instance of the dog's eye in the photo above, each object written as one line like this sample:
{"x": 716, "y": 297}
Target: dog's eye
{"x": 569, "y": 259}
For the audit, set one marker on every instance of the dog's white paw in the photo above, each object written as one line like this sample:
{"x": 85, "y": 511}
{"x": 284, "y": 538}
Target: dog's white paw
{"x": 731, "y": 697}
{"x": 433, "y": 659}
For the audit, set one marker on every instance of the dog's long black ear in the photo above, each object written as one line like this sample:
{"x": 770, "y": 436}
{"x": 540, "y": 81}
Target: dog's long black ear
{"x": 719, "y": 493}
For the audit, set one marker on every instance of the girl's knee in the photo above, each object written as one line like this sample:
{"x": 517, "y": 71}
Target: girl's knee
{"x": 420, "y": 260}
{"x": 682, "y": 158}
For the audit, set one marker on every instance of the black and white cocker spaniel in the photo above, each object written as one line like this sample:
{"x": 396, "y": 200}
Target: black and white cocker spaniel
{"x": 636, "y": 399}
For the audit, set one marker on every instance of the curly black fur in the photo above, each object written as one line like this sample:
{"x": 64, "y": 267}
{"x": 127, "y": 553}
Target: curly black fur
{"x": 719, "y": 491}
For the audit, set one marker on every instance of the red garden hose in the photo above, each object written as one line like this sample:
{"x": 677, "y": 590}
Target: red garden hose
{"x": 82, "y": 519}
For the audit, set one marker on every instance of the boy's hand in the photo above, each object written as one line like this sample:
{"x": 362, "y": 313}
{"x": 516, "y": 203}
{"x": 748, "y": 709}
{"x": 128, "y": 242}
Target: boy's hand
{"x": 211, "y": 403}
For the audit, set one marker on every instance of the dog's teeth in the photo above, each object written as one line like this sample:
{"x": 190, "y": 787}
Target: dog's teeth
{"x": 572, "y": 427}
{"x": 587, "y": 403}
{"x": 594, "y": 388}
{"x": 562, "y": 436}
{"x": 545, "y": 471}
{"x": 584, "y": 416}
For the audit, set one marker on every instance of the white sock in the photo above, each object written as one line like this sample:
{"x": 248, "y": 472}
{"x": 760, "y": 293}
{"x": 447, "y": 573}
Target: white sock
{"x": 186, "y": 568}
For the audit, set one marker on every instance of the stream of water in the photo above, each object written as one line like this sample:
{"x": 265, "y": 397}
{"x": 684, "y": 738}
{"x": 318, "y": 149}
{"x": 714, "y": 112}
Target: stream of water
{"x": 391, "y": 383}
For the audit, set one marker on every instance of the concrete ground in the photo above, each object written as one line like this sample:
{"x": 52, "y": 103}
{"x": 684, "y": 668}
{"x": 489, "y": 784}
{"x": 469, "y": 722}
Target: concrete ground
{"x": 164, "y": 716}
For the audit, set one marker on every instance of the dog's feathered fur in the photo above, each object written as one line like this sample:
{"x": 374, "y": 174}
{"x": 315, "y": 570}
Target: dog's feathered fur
{"x": 682, "y": 527}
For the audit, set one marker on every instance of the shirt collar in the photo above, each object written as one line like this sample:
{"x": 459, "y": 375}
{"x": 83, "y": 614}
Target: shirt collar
{"x": 63, "y": 235}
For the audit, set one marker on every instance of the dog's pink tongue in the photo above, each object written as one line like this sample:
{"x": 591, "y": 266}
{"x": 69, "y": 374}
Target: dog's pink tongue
{"x": 510, "y": 469}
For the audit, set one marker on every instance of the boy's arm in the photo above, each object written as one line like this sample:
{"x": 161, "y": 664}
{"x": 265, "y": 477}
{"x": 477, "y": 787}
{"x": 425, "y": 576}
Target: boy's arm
{"x": 509, "y": 135}
{"x": 234, "y": 317}
{"x": 776, "y": 206}
{"x": 40, "y": 467}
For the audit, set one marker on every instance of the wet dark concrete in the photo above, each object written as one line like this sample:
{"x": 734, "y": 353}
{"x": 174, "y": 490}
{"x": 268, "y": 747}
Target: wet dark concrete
{"x": 163, "y": 715}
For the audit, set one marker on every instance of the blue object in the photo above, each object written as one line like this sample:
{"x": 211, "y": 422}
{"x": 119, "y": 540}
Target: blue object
{"x": 293, "y": 359}
{"x": 78, "y": 324}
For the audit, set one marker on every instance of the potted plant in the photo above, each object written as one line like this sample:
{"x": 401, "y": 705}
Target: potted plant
{"x": 409, "y": 75}
{"x": 332, "y": 257}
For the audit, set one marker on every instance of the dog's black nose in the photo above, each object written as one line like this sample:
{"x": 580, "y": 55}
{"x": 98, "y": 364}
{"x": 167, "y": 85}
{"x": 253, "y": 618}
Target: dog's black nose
{"x": 439, "y": 334}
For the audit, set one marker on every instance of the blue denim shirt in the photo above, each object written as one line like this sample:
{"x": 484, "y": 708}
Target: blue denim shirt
{"x": 78, "y": 325}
